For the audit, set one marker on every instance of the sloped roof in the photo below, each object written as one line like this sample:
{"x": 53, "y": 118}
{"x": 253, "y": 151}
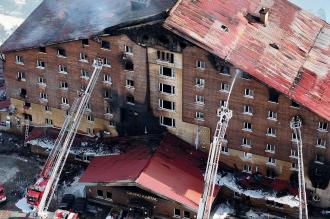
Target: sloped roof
{"x": 66, "y": 20}
{"x": 173, "y": 171}
{"x": 299, "y": 68}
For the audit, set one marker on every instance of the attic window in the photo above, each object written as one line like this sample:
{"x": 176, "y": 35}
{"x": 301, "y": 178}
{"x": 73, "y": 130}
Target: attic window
{"x": 273, "y": 95}
{"x": 84, "y": 42}
{"x": 294, "y": 104}
{"x": 105, "y": 44}
{"x": 42, "y": 49}
{"x": 224, "y": 28}
{"x": 61, "y": 52}
{"x": 274, "y": 45}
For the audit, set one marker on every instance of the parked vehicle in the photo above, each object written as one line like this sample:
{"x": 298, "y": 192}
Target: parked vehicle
{"x": 67, "y": 202}
{"x": 80, "y": 205}
{"x": 2, "y": 194}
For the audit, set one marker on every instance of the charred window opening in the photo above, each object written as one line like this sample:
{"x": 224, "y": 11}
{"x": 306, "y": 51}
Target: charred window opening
{"x": 225, "y": 70}
{"x": 165, "y": 56}
{"x": 224, "y": 28}
{"x": 295, "y": 104}
{"x": 274, "y": 45}
{"x": 61, "y": 52}
{"x": 245, "y": 75}
{"x": 84, "y": 42}
{"x": 319, "y": 175}
{"x": 105, "y": 44}
{"x": 168, "y": 72}
{"x": 28, "y": 117}
{"x": 129, "y": 65}
{"x": 23, "y": 92}
{"x": 221, "y": 65}
{"x": 130, "y": 100}
{"x": 273, "y": 95}
{"x": 42, "y": 49}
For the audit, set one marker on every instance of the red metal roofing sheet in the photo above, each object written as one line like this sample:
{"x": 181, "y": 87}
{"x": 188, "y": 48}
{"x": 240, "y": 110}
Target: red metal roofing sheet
{"x": 299, "y": 68}
{"x": 123, "y": 167}
{"x": 173, "y": 171}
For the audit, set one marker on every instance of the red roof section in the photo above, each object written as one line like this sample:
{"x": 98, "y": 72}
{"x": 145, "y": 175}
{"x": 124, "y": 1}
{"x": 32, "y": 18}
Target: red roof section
{"x": 299, "y": 68}
{"x": 173, "y": 171}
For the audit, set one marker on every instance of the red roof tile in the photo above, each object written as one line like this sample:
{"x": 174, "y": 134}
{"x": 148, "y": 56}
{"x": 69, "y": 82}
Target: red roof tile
{"x": 172, "y": 171}
{"x": 299, "y": 68}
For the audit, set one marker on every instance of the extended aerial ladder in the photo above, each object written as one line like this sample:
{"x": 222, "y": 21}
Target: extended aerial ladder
{"x": 295, "y": 124}
{"x": 210, "y": 176}
{"x": 40, "y": 194}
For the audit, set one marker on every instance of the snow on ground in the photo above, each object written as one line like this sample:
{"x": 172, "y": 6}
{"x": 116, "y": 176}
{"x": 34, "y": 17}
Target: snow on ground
{"x": 76, "y": 188}
{"x": 223, "y": 211}
{"x": 10, "y": 22}
{"x": 229, "y": 181}
{"x": 24, "y": 206}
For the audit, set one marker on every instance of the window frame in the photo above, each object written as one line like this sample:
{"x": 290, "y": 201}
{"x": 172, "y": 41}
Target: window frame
{"x": 161, "y": 119}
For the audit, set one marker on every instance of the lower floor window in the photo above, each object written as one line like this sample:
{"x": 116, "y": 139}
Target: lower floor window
{"x": 49, "y": 121}
{"x": 167, "y": 121}
{"x": 177, "y": 212}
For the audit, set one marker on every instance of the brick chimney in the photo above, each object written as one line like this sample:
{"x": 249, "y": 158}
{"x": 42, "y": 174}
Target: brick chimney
{"x": 264, "y": 14}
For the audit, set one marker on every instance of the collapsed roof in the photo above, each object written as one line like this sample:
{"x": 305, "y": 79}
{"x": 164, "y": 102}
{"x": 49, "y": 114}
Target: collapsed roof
{"x": 289, "y": 50}
{"x": 173, "y": 171}
{"x": 66, "y": 20}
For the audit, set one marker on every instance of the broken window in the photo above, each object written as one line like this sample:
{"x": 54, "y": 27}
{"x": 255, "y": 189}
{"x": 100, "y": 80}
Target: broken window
{"x": 271, "y": 160}
{"x": 247, "y": 110}
{"x": 272, "y": 115}
{"x": 273, "y": 95}
{"x": 200, "y": 99}
{"x": 165, "y": 88}
{"x": 28, "y": 117}
{"x": 108, "y": 195}
{"x": 166, "y": 121}
{"x": 43, "y": 96}
{"x": 41, "y": 80}
{"x": 61, "y": 52}
{"x": 99, "y": 193}
{"x": 128, "y": 49}
{"x": 270, "y": 173}
{"x": 249, "y": 93}
{"x": 177, "y": 212}
{"x": 84, "y": 73}
{"x": 247, "y": 168}
{"x": 270, "y": 148}
{"x": 20, "y": 76}
{"x": 225, "y": 149}
{"x": 40, "y": 64}
{"x": 165, "y": 71}
{"x": 186, "y": 214}
{"x": 223, "y": 102}
{"x": 165, "y": 104}
{"x": 129, "y": 65}
{"x": 247, "y": 126}
{"x": 47, "y": 108}
{"x": 107, "y": 78}
{"x": 23, "y": 92}
{"x": 321, "y": 142}
{"x": 165, "y": 56}
{"x": 245, "y": 75}
{"x": 200, "y": 82}
{"x": 323, "y": 126}
{"x": 42, "y": 49}
{"x": 90, "y": 118}
{"x": 293, "y": 153}
{"x": 294, "y": 104}
{"x": 49, "y": 121}
{"x": 83, "y": 57}
{"x": 294, "y": 165}
{"x": 106, "y": 62}
{"x": 246, "y": 142}
{"x": 62, "y": 69}
{"x": 225, "y": 70}
{"x": 199, "y": 115}
{"x": 64, "y": 85}
{"x": 19, "y": 60}
{"x": 130, "y": 100}
{"x": 129, "y": 83}
{"x": 271, "y": 132}
{"x": 65, "y": 100}
{"x": 105, "y": 44}
{"x": 294, "y": 137}
{"x": 200, "y": 64}
{"x": 224, "y": 87}
{"x": 106, "y": 94}
{"x": 84, "y": 42}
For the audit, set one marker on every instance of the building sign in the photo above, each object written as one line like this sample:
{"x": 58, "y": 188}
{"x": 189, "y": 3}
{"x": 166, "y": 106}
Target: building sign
{"x": 146, "y": 197}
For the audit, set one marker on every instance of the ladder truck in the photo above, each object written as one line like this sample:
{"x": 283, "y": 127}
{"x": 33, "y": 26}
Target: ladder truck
{"x": 296, "y": 124}
{"x": 210, "y": 176}
{"x": 41, "y": 193}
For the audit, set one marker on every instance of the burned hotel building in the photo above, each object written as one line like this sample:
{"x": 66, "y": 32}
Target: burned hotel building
{"x": 170, "y": 64}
